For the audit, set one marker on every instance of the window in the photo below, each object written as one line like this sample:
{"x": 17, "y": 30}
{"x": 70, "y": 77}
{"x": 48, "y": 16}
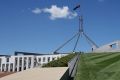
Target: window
{"x": 25, "y": 61}
{"x": 39, "y": 59}
{"x": 7, "y": 66}
{"x": 0, "y": 61}
{"x": 3, "y": 66}
{"x": 35, "y": 62}
{"x": 29, "y": 62}
{"x": 20, "y": 61}
{"x": 7, "y": 59}
{"x": 11, "y": 67}
{"x": 43, "y": 59}
{"x": 16, "y": 59}
{"x": 48, "y": 59}
{"x": 53, "y": 58}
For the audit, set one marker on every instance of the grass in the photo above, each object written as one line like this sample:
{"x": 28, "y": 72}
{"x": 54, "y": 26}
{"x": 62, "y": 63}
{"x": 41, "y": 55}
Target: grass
{"x": 96, "y": 57}
{"x": 108, "y": 62}
{"x": 104, "y": 66}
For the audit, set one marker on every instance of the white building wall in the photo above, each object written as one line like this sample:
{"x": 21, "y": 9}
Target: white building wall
{"x": 109, "y": 48}
{"x": 26, "y": 62}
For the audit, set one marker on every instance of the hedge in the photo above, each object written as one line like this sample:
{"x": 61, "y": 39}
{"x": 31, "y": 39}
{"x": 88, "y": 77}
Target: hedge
{"x": 61, "y": 62}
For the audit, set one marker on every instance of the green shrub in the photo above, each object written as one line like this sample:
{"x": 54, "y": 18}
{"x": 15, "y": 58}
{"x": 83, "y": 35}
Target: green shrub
{"x": 61, "y": 62}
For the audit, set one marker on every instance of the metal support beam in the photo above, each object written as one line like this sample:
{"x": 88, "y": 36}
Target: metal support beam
{"x": 65, "y": 43}
{"x": 79, "y": 34}
{"x": 90, "y": 41}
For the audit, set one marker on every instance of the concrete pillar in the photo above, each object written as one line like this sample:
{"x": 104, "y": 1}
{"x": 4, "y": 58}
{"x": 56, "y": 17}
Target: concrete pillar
{"x": 1, "y": 64}
{"x": 9, "y": 64}
{"x": 9, "y": 67}
{"x": 27, "y": 62}
{"x": 22, "y": 66}
{"x": 32, "y": 62}
{"x": 5, "y": 67}
{"x": 1, "y": 67}
{"x": 18, "y": 63}
{"x": 14, "y": 65}
{"x": 41, "y": 60}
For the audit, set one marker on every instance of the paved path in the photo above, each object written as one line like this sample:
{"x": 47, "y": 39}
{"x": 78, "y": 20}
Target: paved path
{"x": 38, "y": 74}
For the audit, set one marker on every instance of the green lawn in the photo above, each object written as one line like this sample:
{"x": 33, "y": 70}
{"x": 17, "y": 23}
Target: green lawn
{"x": 98, "y": 66}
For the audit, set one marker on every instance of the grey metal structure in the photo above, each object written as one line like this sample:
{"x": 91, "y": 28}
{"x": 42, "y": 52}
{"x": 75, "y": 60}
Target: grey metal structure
{"x": 79, "y": 35}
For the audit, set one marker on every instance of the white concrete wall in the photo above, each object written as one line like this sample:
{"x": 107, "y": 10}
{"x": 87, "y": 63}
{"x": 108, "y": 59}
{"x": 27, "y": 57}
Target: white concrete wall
{"x": 108, "y": 48}
{"x": 23, "y": 62}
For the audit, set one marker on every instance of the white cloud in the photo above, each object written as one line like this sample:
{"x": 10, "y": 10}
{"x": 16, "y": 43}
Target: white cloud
{"x": 36, "y": 11}
{"x": 57, "y": 12}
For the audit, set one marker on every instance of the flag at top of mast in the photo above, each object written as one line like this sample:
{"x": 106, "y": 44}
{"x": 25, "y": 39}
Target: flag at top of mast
{"x": 78, "y": 6}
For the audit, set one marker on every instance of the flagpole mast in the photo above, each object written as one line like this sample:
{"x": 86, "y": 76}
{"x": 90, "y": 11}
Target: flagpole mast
{"x": 79, "y": 30}
{"x": 79, "y": 34}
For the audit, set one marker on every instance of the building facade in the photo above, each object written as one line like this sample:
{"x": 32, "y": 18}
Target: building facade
{"x": 111, "y": 47}
{"x": 20, "y": 62}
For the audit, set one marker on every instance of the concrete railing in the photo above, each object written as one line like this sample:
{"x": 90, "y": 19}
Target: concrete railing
{"x": 72, "y": 64}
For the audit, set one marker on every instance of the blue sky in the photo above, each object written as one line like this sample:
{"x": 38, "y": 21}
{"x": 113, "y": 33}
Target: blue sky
{"x": 43, "y": 25}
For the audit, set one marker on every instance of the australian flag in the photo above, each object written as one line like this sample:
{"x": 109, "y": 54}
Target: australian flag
{"x": 78, "y": 6}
